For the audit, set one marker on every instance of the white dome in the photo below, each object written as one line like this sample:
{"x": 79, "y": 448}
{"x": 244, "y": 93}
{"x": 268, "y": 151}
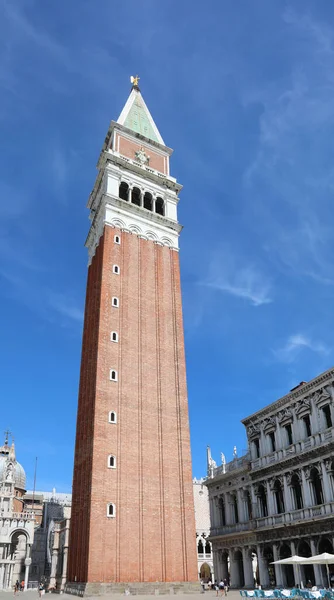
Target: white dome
{"x": 19, "y": 473}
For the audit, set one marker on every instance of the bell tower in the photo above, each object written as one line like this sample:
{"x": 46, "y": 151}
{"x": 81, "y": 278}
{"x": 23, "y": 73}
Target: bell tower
{"x": 132, "y": 524}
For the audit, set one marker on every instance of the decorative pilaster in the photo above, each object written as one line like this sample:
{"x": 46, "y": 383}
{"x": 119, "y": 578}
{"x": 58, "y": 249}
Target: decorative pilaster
{"x": 326, "y": 483}
{"x": 306, "y": 490}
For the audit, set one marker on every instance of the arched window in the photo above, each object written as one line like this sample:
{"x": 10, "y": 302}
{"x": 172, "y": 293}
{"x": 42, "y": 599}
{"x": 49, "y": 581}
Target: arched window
{"x": 272, "y": 441}
{"x": 135, "y": 196}
{"x": 279, "y": 496}
{"x": 200, "y": 547}
{"x": 316, "y": 487}
{"x": 297, "y": 494}
{"x": 123, "y": 191}
{"x": 112, "y": 461}
{"x": 113, "y": 375}
{"x": 111, "y": 510}
{"x": 207, "y": 548}
{"x": 114, "y": 336}
{"x": 256, "y": 446}
{"x": 112, "y": 417}
{"x": 262, "y": 500}
{"x": 115, "y": 269}
{"x": 159, "y": 206}
{"x": 307, "y": 425}
{"x": 249, "y": 505}
{"x": 222, "y": 515}
{"x": 327, "y": 416}
{"x": 148, "y": 203}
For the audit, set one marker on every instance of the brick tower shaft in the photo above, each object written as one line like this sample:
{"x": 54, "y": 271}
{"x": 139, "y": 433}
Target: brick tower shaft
{"x": 132, "y": 519}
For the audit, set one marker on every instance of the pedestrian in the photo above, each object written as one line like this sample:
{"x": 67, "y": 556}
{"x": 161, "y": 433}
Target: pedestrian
{"x": 203, "y": 586}
{"x": 22, "y": 585}
{"x": 40, "y": 589}
{"x": 216, "y": 586}
{"x": 221, "y": 587}
{"x": 225, "y": 586}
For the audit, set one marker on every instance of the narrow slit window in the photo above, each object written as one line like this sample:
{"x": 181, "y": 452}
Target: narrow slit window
{"x": 113, "y": 375}
{"x": 111, "y": 510}
{"x": 114, "y": 336}
{"x": 116, "y": 269}
{"x": 115, "y": 302}
{"x": 112, "y": 461}
{"x": 117, "y": 239}
{"x": 112, "y": 417}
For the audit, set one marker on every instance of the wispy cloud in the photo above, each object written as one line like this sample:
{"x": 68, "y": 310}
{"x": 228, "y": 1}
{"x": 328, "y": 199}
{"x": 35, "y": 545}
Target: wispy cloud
{"x": 65, "y": 306}
{"x": 231, "y": 276}
{"x": 290, "y": 178}
{"x": 296, "y": 344}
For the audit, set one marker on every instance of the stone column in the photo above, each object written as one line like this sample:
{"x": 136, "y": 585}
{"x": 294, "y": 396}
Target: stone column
{"x": 241, "y": 506}
{"x": 263, "y": 570}
{"x": 2, "y": 569}
{"x": 270, "y": 500}
{"x": 287, "y": 495}
{"x": 216, "y": 562}
{"x": 326, "y": 484}
{"x": 234, "y": 571}
{"x": 248, "y": 568}
{"x": 306, "y": 490}
{"x": 296, "y": 568}
{"x": 255, "y": 506}
{"x": 317, "y": 568}
{"x": 278, "y": 568}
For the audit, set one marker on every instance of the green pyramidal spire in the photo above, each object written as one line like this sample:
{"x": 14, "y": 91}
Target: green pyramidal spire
{"x": 136, "y": 116}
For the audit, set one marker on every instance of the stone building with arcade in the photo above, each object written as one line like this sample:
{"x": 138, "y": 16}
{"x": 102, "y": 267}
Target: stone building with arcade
{"x": 17, "y": 525}
{"x": 278, "y": 499}
{"x": 202, "y": 520}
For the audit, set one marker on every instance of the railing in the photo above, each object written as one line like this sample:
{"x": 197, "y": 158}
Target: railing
{"x": 317, "y": 439}
{"x": 236, "y": 463}
{"x": 311, "y": 512}
{"x": 17, "y": 515}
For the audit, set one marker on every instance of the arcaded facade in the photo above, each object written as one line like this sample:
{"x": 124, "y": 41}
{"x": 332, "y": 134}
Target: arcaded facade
{"x": 278, "y": 500}
{"x": 202, "y": 519}
{"x": 132, "y": 485}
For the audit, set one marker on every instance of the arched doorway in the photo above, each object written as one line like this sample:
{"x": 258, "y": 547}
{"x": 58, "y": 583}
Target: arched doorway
{"x": 269, "y": 558}
{"x": 18, "y": 553}
{"x": 205, "y": 572}
{"x": 287, "y": 570}
{"x": 225, "y": 561}
{"x": 304, "y": 550}
{"x": 239, "y": 568}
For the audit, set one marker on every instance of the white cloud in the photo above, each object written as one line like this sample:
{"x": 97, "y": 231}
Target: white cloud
{"x": 228, "y": 274}
{"x": 294, "y": 346}
{"x": 65, "y": 306}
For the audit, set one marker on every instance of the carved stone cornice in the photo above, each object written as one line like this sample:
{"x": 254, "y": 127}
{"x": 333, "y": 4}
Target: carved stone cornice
{"x": 285, "y": 416}
{"x": 325, "y": 378}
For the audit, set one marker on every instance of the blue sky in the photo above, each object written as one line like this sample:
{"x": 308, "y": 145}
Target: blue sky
{"x": 243, "y": 91}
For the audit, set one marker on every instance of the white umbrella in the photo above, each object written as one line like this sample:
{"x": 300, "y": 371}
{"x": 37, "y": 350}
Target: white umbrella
{"x": 321, "y": 559}
{"x": 291, "y": 560}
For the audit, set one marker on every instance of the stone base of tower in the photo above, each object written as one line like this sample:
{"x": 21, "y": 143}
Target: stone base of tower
{"x": 134, "y": 589}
